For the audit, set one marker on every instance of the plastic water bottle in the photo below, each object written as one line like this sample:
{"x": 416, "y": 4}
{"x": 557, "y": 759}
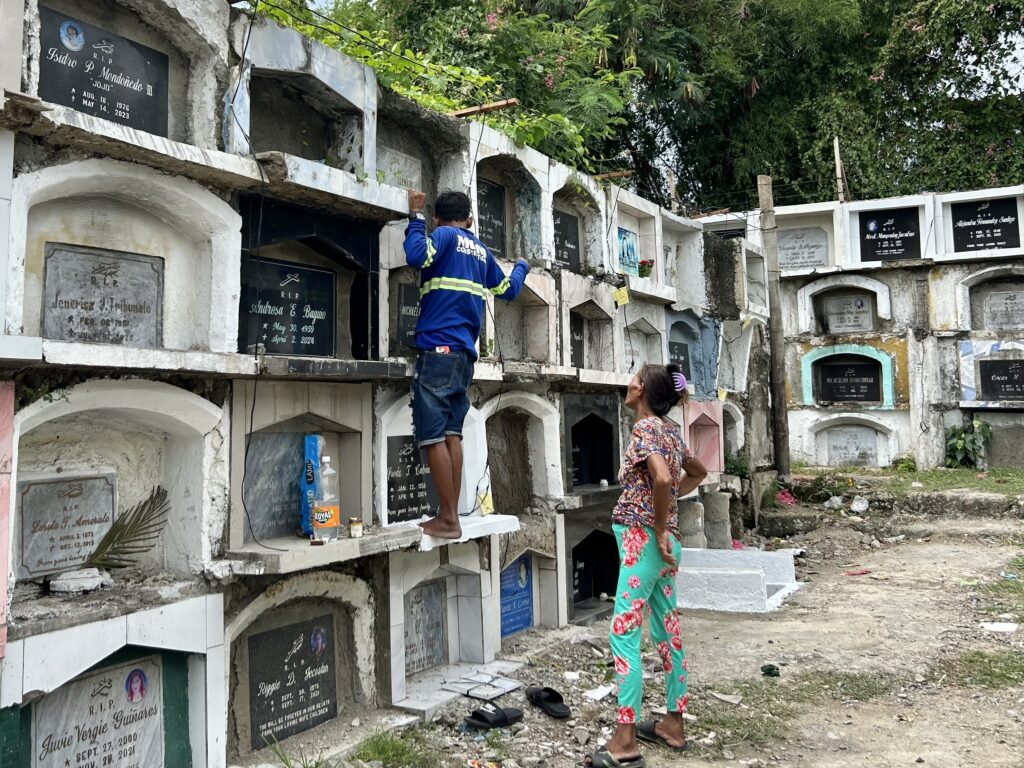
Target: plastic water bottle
{"x": 327, "y": 513}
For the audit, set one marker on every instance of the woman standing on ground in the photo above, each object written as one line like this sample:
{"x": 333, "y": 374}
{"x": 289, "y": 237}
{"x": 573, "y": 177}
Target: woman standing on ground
{"x": 657, "y": 469}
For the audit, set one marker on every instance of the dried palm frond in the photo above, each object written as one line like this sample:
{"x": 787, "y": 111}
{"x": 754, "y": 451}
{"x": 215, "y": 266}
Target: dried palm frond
{"x": 133, "y": 533}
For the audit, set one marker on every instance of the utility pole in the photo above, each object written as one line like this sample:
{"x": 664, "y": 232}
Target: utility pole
{"x": 840, "y": 171}
{"x": 777, "y": 377}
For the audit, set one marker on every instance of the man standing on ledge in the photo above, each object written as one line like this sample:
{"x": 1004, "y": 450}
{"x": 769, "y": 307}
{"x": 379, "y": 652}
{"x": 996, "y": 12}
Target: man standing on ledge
{"x": 457, "y": 272}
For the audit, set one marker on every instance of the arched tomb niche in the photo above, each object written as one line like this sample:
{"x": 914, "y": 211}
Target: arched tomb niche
{"x": 111, "y": 252}
{"x": 508, "y": 202}
{"x": 848, "y": 373}
{"x": 523, "y": 327}
{"x": 642, "y": 345}
{"x": 304, "y": 645}
{"x": 87, "y": 459}
{"x": 997, "y": 303}
{"x": 830, "y": 304}
{"x": 579, "y": 231}
{"x": 851, "y": 440}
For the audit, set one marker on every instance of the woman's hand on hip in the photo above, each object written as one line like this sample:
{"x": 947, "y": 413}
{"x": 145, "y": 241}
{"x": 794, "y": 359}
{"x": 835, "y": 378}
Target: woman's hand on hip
{"x": 665, "y": 542}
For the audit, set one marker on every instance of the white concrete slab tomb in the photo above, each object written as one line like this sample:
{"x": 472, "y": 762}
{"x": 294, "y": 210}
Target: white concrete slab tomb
{"x": 735, "y": 581}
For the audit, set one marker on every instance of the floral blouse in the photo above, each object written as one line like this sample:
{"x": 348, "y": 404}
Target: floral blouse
{"x": 636, "y": 504}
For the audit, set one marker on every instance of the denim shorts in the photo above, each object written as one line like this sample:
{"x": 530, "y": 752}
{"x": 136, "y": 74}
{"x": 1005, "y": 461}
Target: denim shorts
{"x": 438, "y": 395}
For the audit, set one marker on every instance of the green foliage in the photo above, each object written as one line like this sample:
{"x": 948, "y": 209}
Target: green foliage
{"x": 133, "y": 533}
{"x": 985, "y": 669}
{"x": 905, "y": 463}
{"x": 768, "y": 497}
{"x": 737, "y": 464}
{"x": 965, "y": 445}
{"x": 406, "y": 749}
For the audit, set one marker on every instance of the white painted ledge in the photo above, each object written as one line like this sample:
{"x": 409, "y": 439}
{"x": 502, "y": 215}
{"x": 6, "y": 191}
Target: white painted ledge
{"x": 287, "y": 554}
{"x": 649, "y": 289}
{"x": 604, "y": 378}
{"x": 21, "y": 348}
{"x": 117, "y": 356}
{"x": 473, "y": 527}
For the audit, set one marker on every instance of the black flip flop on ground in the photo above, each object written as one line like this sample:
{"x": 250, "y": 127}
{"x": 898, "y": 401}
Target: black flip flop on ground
{"x": 549, "y": 700}
{"x": 604, "y": 759}
{"x": 489, "y": 717}
{"x": 646, "y": 731}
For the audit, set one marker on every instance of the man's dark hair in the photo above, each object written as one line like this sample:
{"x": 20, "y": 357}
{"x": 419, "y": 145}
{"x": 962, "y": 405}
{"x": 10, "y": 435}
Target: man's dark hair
{"x": 452, "y": 206}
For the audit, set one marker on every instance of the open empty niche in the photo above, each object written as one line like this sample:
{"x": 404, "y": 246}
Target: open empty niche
{"x": 298, "y": 115}
{"x": 510, "y": 434}
{"x": 847, "y": 378}
{"x": 578, "y": 229}
{"x": 591, "y": 438}
{"x": 274, "y": 464}
{"x": 507, "y": 208}
{"x": 998, "y": 305}
{"x": 590, "y": 338}
{"x": 522, "y": 327}
{"x": 595, "y": 568}
{"x": 642, "y": 345}
{"x": 706, "y": 441}
{"x": 306, "y": 282}
{"x": 292, "y": 669}
{"x": 845, "y": 310}
{"x": 757, "y": 282}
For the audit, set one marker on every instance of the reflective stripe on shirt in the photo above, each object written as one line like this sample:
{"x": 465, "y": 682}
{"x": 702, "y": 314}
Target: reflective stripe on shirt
{"x": 453, "y": 284}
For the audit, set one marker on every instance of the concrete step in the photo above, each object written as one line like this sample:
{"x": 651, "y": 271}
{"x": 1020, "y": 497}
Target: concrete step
{"x": 735, "y": 581}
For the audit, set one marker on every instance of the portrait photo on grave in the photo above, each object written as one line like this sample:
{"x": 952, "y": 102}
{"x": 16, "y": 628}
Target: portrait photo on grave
{"x": 457, "y": 274}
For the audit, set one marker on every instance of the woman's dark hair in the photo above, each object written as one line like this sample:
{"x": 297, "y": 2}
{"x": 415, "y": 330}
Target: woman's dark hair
{"x": 659, "y": 387}
{"x": 452, "y": 206}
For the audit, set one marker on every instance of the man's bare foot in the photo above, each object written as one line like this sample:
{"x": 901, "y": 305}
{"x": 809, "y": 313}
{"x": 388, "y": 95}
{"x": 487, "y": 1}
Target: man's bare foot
{"x": 674, "y": 737}
{"x": 441, "y": 528}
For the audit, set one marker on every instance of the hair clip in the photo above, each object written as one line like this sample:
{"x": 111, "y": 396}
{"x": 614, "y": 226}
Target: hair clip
{"x": 679, "y": 380}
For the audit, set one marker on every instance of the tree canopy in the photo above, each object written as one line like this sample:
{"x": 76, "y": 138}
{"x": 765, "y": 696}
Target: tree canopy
{"x": 924, "y": 95}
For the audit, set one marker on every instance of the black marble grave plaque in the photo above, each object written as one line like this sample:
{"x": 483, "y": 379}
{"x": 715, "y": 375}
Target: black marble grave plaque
{"x": 288, "y": 308}
{"x": 108, "y": 297}
{"x": 983, "y": 225}
{"x": 292, "y": 685}
{"x": 408, "y": 313}
{"x": 577, "y": 340}
{"x": 1001, "y": 379}
{"x": 411, "y": 491}
{"x": 567, "y": 240}
{"x": 490, "y": 203}
{"x": 890, "y": 234}
{"x": 273, "y": 464}
{"x": 845, "y": 382}
{"x": 679, "y": 353}
{"x": 101, "y": 74}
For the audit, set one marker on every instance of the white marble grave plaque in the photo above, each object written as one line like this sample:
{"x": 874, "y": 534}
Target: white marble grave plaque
{"x": 852, "y": 446}
{"x": 424, "y": 627}
{"x": 62, "y": 519}
{"x": 400, "y": 169}
{"x": 103, "y": 296}
{"x": 1004, "y": 311}
{"x": 844, "y": 314}
{"x": 803, "y": 248}
{"x": 112, "y": 718}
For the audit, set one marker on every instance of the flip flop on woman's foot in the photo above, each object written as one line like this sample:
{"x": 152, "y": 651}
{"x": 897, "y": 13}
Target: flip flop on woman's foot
{"x": 647, "y": 730}
{"x": 602, "y": 758}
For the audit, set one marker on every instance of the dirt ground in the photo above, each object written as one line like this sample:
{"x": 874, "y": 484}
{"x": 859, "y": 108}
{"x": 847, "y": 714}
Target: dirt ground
{"x": 876, "y": 669}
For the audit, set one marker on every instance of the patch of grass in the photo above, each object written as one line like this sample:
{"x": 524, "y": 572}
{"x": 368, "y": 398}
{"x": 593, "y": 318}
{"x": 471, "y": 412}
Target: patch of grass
{"x": 1005, "y": 481}
{"x": 769, "y": 704}
{"x": 984, "y": 669}
{"x": 496, "y": 744}
{"x": 1016, "y": 565}
{"x": 1005, "y": 596}
{"x": 301, "y": 761}
{"x": 404, "y": 749}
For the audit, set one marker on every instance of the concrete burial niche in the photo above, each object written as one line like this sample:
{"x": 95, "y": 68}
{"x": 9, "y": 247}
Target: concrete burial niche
{"x": 842, "y": 304}
{"x": 164, "y": 63}
{"x": 848, "y": 373}
{"x": 591, "y": 439}
{"x": 895, "y": 229}
{"x": 443, "y": 611}
{"x": 508, "y": 208}
{"x": 591, "y": 564}
{"x": 643, "y": 336}
{"x": 301, "y": 656}
{"x": 756, "y": 281}
{"x": 524, "y": 329}
{"x": 266, "y": 455}
{"x": 693, "y": 346}
{"x": 633, "y": 238}
{"x": 992, "y": 299}
{"x": 579, "y": 227}
{"x": 809, "y": 236}
{"x": 300, "y": 97}
{"x": 405, "y": 488}
{"x": 307, "y": 282}
{"x": 83, "y": 460}
{"x": 682, "y": 246}
{"x": 149, "y": 685}
{"x": 106, "y": 252}
{"x": 704, "y": 433}
{"x": 850, "y": 440}
{"x": 590, "y": 337}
